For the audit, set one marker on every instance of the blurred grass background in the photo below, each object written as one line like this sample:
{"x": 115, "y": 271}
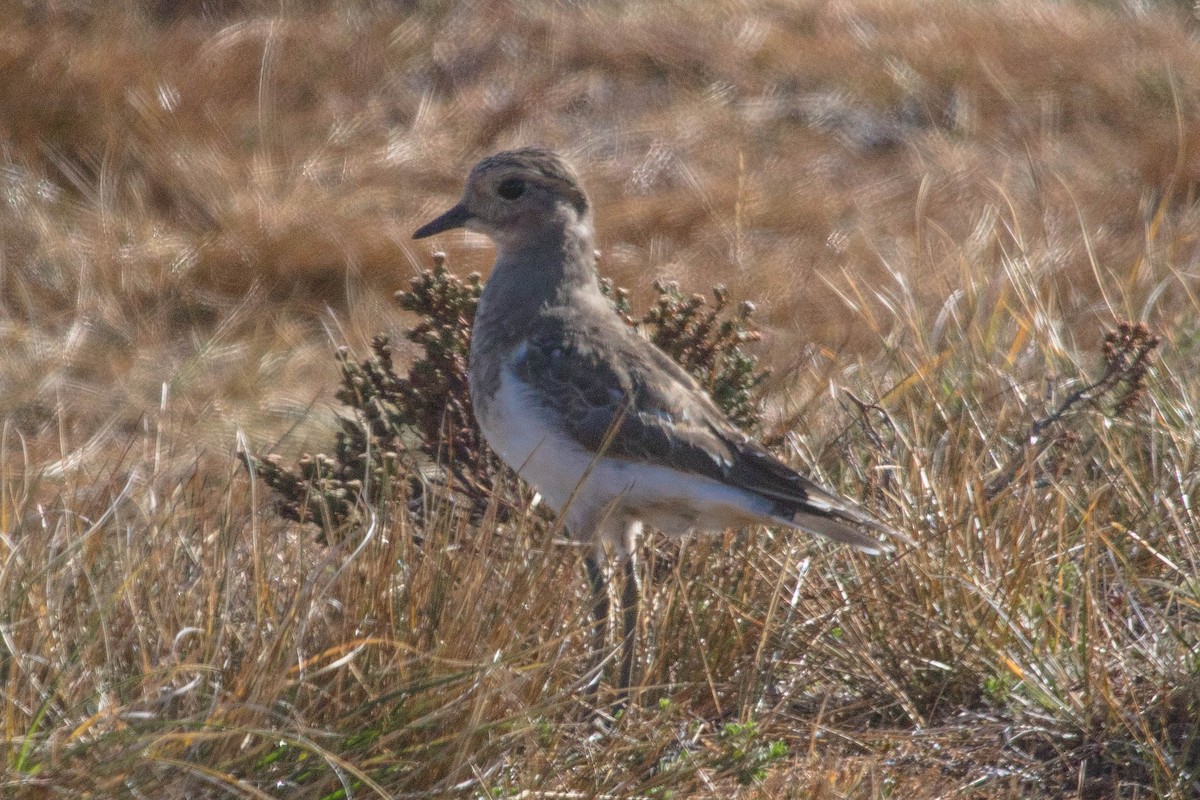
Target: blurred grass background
{"x": 941, "y": 207}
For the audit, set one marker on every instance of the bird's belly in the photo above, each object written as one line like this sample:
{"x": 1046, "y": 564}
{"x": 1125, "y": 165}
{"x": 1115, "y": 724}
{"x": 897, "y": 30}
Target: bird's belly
{"x": 676, "y": 502}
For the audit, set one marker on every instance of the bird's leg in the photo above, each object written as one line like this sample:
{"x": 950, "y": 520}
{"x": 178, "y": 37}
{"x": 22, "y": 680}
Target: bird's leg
{"x": 600, "y": 619}
{"x": 629, "y": 613}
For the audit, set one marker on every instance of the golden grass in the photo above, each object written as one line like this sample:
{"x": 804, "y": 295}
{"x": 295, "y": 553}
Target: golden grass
{"x": 940, "y": 208}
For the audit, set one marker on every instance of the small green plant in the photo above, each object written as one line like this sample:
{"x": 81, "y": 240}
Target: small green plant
{"x": 745, "y": 755}
{"x": 419, "y": 427}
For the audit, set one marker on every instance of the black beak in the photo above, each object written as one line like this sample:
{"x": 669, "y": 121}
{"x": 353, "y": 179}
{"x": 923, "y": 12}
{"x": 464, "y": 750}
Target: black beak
{"x": 454, "y": 218}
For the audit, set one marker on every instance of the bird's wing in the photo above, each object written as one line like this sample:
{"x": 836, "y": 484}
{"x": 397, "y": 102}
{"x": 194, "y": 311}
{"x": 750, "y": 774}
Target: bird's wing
{"x": 617, "y": 394}
{"x": 613, "y": 396}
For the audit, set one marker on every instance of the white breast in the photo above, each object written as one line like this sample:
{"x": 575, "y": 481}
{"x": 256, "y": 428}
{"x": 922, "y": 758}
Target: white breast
{"x": 517, "y": 427}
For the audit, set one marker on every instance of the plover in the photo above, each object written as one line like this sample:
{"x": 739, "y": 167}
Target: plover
{"x": 609, "y": 429}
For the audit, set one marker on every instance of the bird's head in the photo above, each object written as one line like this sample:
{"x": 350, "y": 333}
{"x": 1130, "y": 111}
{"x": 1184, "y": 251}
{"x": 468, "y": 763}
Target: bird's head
{"x": 517, "y": 197}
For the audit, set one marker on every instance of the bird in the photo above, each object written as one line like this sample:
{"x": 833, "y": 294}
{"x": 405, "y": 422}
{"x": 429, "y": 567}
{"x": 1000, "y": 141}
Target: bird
{"x": 612, "y": 433}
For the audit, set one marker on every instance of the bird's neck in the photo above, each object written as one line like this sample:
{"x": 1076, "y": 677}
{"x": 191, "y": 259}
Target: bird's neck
{"x": 553, "y": 269}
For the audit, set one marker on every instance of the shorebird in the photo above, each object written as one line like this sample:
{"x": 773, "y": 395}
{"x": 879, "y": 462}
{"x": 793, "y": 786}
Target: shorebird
{"x": 609, "y": 429}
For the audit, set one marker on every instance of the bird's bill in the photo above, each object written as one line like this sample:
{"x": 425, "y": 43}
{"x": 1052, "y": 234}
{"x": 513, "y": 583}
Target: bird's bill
{"x": 454, "y": 218}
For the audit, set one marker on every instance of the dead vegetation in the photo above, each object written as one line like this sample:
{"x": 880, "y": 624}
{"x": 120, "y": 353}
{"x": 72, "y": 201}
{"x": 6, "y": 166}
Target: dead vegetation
{"x": 969, "y": 230}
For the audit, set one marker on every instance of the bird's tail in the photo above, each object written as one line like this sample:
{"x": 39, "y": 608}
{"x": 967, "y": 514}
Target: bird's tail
{"x": 837, "y": 519}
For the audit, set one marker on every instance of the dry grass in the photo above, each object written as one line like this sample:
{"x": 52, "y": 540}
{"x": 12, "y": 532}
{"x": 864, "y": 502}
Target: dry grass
{"x": 940, "y": 209}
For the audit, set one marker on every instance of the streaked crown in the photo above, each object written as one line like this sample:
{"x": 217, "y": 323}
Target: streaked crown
{"x": 532, "y": 165}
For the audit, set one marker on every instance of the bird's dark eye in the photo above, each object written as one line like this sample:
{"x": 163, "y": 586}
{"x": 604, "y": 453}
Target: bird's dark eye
{"x": 511, "y": 188}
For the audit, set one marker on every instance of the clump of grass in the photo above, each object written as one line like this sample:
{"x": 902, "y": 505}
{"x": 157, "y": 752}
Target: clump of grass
{"x": 1016, "y": 580}
{"x": 1128, "y": 354}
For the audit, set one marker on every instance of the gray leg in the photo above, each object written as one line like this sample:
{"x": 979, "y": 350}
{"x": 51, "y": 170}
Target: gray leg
{"x": 629, "y": 613}
{"x": 599, "y": 586}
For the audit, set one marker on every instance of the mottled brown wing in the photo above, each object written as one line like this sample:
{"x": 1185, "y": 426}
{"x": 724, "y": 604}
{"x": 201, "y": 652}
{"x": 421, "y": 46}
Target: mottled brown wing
{"x": 618, "y": 394}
